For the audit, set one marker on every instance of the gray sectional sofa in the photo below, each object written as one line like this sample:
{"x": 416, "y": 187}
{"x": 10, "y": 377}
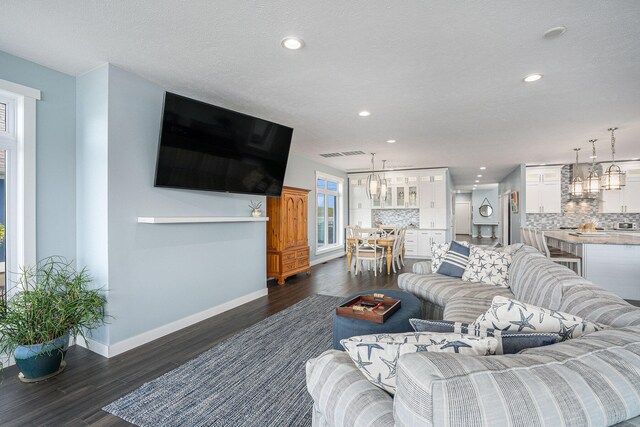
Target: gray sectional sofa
{"x": 593, "y": 380}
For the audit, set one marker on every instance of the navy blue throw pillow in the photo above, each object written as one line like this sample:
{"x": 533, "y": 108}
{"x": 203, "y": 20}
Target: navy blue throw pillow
{"x": 508, "y": 342}
{"x": 455, "y": 260}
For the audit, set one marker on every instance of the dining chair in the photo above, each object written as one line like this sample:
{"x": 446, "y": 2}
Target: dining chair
{"x": 352, "y": 232}
{"x": 396, "y": 252}
{"x": 367, "y": 250}
{"x": 524, "y": 234}
{"x": 389, "y": 230}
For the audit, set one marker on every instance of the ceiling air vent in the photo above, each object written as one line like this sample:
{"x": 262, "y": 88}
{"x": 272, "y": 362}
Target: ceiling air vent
{"x": 344, "y": 153}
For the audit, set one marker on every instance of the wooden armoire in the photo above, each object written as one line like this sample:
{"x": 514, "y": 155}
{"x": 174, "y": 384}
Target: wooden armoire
{"x": 287, "y": 241}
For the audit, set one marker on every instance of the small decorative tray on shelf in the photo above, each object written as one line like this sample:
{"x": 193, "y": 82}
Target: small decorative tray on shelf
{"x": 373, "y": 308}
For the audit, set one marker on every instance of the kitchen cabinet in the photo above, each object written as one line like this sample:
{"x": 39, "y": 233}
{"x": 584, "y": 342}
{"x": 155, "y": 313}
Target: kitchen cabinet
{"x": 405, "y": 192}
{"x": 433, "y": 201}
{"x": 359, "y": 203}
{"x": 411, "y": 243}
{"x": 544, "y": 190}
{"x": 387, "y": 201}
{"x": 433, "y": 218}
{"x": 433, "y": 192}
{"x": 626, "y": 200}
{"x": 423, "y": 189}
{"x": 402, "y": 193}
{"x": 418, "y": 242}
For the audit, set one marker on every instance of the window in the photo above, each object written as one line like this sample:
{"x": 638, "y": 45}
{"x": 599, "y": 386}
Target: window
{"x": 7, "y": 141}
{"x": 3, "y": 117}
{"x": 328, "y": 212}
{"x": 17, "y": 175}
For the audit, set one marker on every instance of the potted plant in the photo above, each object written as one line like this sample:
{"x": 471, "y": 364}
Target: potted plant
{"x": 51, "y": 302}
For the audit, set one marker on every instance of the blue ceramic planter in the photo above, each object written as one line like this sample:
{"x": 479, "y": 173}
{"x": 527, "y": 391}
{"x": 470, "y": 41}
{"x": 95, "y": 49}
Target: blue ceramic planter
{"x": 41, "y": 361}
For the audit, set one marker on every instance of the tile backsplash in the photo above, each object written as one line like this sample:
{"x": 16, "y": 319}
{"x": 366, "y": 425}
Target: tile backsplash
{"x": 401, "y": 217}
{"x": 576, "y": 212}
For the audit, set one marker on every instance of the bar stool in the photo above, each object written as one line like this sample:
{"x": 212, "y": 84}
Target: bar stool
{"x": 558, "y": 255}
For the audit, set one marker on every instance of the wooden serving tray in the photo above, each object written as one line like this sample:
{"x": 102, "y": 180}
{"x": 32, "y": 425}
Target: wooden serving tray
{"x": 379, "y": 315}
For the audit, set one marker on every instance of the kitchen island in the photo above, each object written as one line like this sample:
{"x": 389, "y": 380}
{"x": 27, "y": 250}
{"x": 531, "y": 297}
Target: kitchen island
{"x": 610, "y": 259}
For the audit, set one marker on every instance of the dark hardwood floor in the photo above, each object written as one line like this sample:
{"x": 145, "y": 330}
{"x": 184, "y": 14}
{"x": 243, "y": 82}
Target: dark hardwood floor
{"x": 76, "y": 396}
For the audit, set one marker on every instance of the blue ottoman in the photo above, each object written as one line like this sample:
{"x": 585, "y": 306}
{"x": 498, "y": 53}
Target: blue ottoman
{"x": 410, "y": 307}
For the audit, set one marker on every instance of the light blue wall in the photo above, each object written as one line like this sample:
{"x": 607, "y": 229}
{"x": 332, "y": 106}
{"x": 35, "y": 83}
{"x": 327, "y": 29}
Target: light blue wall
{"x": 301, "y": 173}
{"x": 515, "y": 181}
{"x": 55, "y": 152}
{"x": 92, "y": 100}
{"x": 477, "y": 198}
{"x": 162, "y": 273}
{"x": 463, "y": 197}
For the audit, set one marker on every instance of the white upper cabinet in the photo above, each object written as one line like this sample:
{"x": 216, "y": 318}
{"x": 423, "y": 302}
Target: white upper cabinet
{"x": 358, "y": 194}
{"x": 433, "y": 200}
{"x": 424, "y": 189}
{"x": 544, "y": 189}
{"x": 405, "y": 191}
{"x": 359, "y": 203}
{"x": 626, "y": 200}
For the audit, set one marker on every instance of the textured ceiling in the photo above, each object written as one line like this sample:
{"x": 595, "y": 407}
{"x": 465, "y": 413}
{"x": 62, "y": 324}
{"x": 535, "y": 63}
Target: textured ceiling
{"x": 443, "y": 78}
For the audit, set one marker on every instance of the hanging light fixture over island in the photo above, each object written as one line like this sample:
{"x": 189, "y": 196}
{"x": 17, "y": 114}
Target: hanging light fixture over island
{"x": 613, "y": 178}
{"x": 592, "y": 183}
{"x": 576, "y": 188}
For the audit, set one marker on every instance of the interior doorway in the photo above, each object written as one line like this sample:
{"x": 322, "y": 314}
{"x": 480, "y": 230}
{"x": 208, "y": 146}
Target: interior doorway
{"x": 463, "y": 218}
{"x": 505, "y": 219}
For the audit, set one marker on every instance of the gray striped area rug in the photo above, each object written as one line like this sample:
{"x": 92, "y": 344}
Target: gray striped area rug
{"x": 255, "y": 378}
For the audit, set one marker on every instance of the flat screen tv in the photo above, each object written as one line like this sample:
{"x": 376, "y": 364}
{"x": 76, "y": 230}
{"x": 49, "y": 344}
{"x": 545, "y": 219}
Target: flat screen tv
{"x": 204, "y": 147}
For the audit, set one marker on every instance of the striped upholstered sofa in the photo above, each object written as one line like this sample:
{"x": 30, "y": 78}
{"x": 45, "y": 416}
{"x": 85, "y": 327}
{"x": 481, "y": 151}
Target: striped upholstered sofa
{"x": 589, "y": 381}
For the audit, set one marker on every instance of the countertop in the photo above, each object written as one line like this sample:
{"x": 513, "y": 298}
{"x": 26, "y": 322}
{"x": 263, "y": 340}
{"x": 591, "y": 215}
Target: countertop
{"x": 603, "y": 238}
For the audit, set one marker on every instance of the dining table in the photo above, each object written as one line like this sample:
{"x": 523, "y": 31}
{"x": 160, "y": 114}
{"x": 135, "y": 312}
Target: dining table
{"x": 385, "y": 241}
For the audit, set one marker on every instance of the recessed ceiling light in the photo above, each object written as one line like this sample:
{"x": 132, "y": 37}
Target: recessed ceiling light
{"x": 477, "y": 180}
{"x": 554, "y": 32}
{"x": 532, "y": 78}
{"x": 292, "y": 43}
{"x": 482, "y": 168}
{"x": 479, "y": 176}
{"x": 364, "y": 113}
{"x": 391, "y": 141}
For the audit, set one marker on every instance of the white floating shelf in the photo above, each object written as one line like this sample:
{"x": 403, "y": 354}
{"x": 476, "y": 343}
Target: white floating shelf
{"x": 198, "y": 219}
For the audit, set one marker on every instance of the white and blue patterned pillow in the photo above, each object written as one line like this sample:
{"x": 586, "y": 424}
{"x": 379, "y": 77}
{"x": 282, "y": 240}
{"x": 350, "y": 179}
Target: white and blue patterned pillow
{"x": 377, "y": 355}
{"x": 488, "y": 266}
{"x": 506, "y": 314}
{"x": 508, "y": 342}
{"x": 455, "y": 260}
{"x": 438, "y": 252}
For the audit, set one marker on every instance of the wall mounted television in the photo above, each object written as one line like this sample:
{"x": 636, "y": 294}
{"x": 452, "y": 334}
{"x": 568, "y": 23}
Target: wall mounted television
{"x": 204, "y": 147}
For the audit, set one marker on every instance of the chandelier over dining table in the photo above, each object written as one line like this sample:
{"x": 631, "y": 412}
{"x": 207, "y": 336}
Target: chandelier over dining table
{"x": 373, "y": 181}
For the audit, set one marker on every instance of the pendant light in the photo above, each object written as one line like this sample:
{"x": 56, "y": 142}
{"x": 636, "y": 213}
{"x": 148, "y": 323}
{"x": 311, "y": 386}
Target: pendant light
{"x": 383, "y": 183}
{"x": 613, "y": 178}
{"x": 373, "y": 181}
{"x": 576, "y": 188}
{"x": 592, "y": 183}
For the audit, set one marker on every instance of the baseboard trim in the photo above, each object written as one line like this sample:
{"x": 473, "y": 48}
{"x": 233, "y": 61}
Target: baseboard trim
{"x": 146, "y": 337}
{"x": 328, "y": 258}
{"x": 95, "y": 346}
